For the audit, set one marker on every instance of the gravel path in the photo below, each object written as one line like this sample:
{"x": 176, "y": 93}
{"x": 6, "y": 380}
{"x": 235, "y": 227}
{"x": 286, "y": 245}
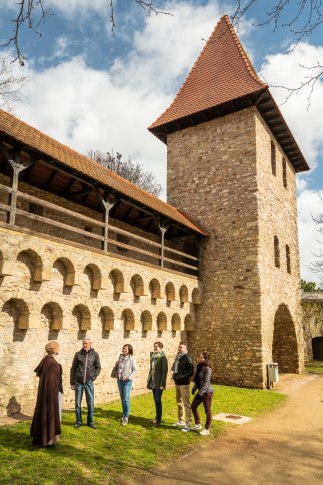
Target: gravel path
{"x": 284, "y": 447}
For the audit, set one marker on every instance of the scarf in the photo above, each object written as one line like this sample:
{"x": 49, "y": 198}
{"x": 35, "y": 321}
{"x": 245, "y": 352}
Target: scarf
{"x": 155, "y": 356}
{"x": 175, "y": 365}
{"x": 124, "y": 366}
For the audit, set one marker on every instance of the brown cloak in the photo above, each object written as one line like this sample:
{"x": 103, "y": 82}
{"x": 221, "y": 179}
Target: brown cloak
{"x": 46, "y": 421}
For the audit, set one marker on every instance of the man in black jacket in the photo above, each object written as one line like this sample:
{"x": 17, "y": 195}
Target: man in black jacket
{"x": 183, "y": 369}
{"x": 85, "y": 369}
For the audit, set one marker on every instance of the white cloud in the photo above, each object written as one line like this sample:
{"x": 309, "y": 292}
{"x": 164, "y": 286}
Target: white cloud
{"x": 91, "y": 109}
{"x": 79, "y": 8}
{"x": 306, "y": 124}
{"x": 309, "y": 205}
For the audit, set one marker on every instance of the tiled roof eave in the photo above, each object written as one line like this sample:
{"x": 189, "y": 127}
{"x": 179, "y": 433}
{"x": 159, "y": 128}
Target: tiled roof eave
{"x": 54, "y": 152}
{"x": 265, "y": 104}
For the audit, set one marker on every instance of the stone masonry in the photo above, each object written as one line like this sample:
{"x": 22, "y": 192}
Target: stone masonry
{"x": 219, "y": 172}
{"x": 51, "y": 290}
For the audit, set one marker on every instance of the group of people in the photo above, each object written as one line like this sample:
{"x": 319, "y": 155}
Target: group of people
{"x": 46, "y": 423}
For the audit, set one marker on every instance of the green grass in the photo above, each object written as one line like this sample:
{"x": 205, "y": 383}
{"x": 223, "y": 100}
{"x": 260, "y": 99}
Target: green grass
{"x": 112, "y": 453}
{"x": 314, "y": 367}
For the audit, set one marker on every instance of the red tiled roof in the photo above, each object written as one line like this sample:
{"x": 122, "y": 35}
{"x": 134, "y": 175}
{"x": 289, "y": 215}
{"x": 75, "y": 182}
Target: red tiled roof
{"x": 36, "y": 140}
{"x": 223, "y": 81}
{"x": 221, "y": 73}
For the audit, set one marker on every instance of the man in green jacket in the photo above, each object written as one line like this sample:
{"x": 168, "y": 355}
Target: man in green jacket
{"x": 157, "y": 379}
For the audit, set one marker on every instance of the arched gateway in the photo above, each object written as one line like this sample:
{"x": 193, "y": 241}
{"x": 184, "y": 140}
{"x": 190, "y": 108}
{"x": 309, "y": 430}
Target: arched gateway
{"x": 285, "y": 346}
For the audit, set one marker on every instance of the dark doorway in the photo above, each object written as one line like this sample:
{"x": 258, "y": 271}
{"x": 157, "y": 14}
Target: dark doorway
{"x": 317, "y": 346}
{"x": 285, "y": 347}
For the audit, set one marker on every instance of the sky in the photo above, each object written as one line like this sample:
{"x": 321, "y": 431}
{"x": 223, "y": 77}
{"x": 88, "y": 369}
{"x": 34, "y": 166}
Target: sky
{"x": 92, "y": 89}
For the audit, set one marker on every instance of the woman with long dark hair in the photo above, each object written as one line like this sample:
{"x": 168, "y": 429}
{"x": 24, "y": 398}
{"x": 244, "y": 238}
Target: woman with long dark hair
{"x": 126, "y": 369}
{"x": 202, "y": 384}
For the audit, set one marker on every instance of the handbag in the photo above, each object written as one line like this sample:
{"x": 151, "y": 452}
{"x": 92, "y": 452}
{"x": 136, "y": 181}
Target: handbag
{"x": 114, "y": 372}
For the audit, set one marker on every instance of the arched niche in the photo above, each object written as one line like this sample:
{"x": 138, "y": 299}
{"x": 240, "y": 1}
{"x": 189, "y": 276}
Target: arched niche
{"x": 146, "y": 321}
{"x": 161, "y": 322}
{"x": 155, "y": 288}
{"x": 107, "y": 318}
{"x": 95, "y": 276}
{"x": 83, "y": 316}
{"x": 67, "y": 270}
{"x": 137, "y": 285}
{"x": 128, "y": 319}
{"x": 54, "y": 315}
{"x": 176, "y": 322}
{"x": 170, "y": 292}
{"x": 32, "y": 260}
{"x": 117, "y": 281}
{"x": 19, "y": 311}
{"x": 183, "y": 294}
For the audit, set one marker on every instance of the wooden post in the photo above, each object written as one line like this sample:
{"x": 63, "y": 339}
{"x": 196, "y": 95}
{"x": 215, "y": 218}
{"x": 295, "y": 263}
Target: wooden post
{"x": 162, "y": 229}
{"x": 17, "y": 167}
{"x": 107, "y": 206}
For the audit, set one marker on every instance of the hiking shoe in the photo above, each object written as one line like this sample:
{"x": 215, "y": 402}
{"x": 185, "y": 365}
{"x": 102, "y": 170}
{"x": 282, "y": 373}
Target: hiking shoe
{"x": 77, "y": 425}
{"x": 124, "y": 422}
{"x": 156, "y": 424}
{"x": 179, "y": 423}
{"x": 121, "y": 419}
{"x": 186, "y": 428}
{"x": 196, "y": 427}
{"x": 204, "y": 432}
{"x": 92, "y": 425}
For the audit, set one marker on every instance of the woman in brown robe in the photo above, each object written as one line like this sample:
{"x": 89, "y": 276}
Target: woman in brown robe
{"x": 46, "y": 427}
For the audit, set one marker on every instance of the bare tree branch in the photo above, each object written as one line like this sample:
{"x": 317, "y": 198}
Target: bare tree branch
{"x": 317, "y": 266}
{"x": 308, "y": 17}
{"x": 32, "y": 14}
{"x": 10, "y": 83}
{"x": 27, "y": 14}
{"x": 132, "y": 171}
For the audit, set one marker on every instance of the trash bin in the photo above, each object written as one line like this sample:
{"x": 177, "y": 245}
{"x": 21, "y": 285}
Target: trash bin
{"x": 273, "y": 374}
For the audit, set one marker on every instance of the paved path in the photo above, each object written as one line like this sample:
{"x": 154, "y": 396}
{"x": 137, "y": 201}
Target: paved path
{"x": 284, "y": 447}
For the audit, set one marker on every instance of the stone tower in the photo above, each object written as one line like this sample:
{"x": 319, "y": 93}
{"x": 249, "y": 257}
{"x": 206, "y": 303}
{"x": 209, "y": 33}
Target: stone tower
{"x": 232, "y": 162}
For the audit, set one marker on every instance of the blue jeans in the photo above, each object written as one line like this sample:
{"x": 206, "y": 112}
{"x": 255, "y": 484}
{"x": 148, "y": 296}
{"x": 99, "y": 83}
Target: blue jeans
{"x": 158, "y": 403}
{"x": 88, "y": 387}
{"x": 124, "y": 390}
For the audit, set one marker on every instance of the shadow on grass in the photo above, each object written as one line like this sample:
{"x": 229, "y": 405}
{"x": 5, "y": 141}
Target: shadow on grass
{"x": 135, "y": 420}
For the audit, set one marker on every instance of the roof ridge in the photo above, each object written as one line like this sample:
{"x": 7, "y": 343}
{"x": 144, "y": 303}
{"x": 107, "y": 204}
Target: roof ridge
{"x": 187, "y": 77}
{"x": 136, "y": 192}
{"x": 251, "y": 71}
{"x": 244, "y": 56}
{"x": 63, "y": 145}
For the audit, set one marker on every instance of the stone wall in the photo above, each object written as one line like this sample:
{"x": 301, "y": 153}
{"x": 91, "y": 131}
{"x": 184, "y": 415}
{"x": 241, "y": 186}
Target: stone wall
{"x": 50, "y": 290}
{"x": 281, "y": 312}
{"x": 218, "y": 172}
{"x": 312, "y": 303}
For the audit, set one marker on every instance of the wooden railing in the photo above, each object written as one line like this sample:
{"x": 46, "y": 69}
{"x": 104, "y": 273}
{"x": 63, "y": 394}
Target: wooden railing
{"x": 155, "y": 253}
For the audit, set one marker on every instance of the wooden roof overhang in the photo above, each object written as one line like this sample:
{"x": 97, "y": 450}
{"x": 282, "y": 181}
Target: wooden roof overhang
{"x": 51, "y": 175}
{"x": 268, "y": 109}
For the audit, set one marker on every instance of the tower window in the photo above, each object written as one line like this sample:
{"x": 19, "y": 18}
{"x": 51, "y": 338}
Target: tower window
{"x": 273, "y": 157}
{"x": 276, "y": 252}
{"x": 288, "y": 259}
{"x": 284, "y": 174}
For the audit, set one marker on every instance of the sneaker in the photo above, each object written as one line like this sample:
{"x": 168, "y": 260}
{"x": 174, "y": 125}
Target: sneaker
{"x": 121, "y": 419}
{"x": 204, "y": 432}
{"x": 156, "y": 424}
{"x": 196, "y": 427}
{"x": 92, "y": 425}
{"x": 124, "y": 422}
{"x": 77, "y": 425}
{"x": 186, "y": 428}
{"x": 179, "y": 423}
